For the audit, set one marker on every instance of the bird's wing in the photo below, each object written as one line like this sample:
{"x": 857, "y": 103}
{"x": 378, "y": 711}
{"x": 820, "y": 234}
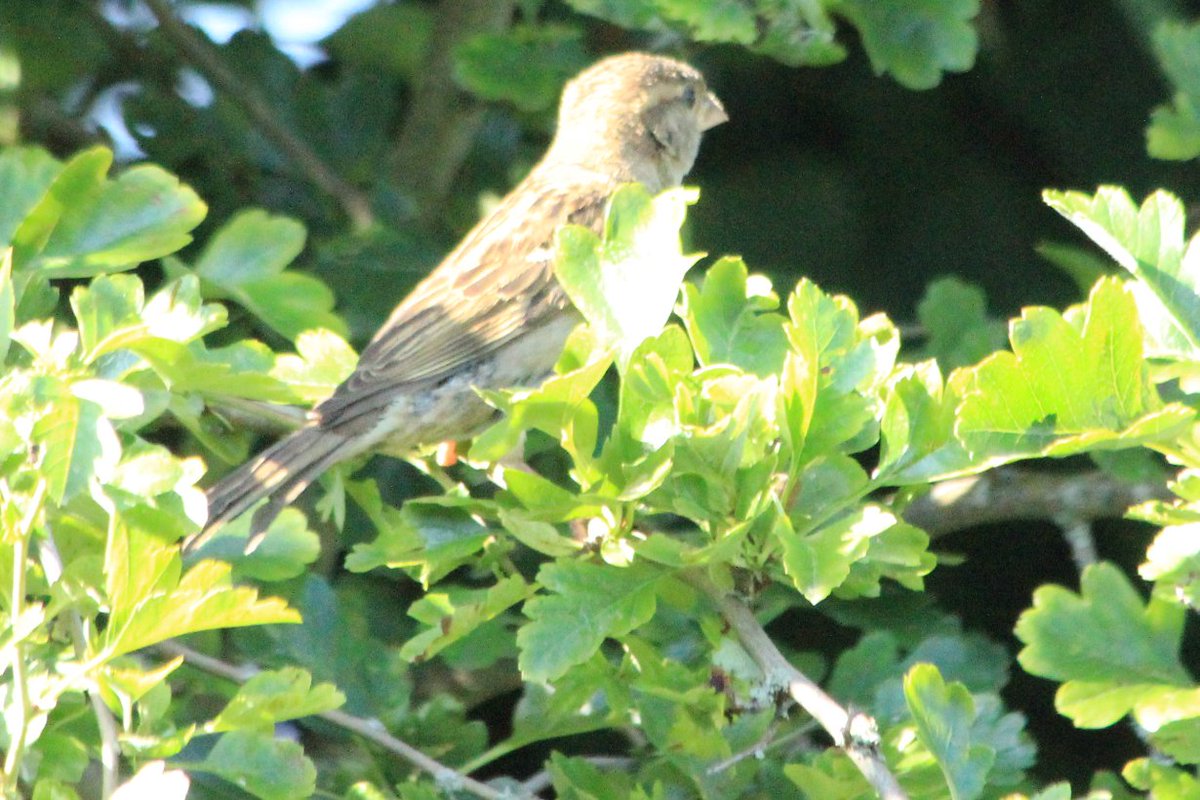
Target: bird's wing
{"x": 496, "y": 284}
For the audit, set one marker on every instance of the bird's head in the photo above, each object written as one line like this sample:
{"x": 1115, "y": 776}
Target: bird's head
{"x": 636, "y": 117}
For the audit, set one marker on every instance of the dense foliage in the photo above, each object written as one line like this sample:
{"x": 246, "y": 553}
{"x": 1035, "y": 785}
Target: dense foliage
{"x": 718, "y": 466}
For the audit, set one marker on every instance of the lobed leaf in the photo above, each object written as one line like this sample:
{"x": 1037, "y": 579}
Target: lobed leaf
{"x": 916, "y": 40}
{"x": 586, "y": 604}
{"x": 1068, "y": 638}
{"x": 944, "y": 714}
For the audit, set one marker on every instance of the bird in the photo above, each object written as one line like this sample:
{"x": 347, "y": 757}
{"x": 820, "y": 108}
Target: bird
{"x": 492, "y": 314}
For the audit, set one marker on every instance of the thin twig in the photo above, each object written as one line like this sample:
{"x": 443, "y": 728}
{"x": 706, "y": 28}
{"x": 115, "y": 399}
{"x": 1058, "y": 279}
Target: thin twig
{"x": 252, "y": 102}
{"x": 110, "y": 745}
{"x": 1009, "y": 494}
{"x": 768, "y": 742}
{"x": 856, "y": 734}
{"x": 369, "y": 729}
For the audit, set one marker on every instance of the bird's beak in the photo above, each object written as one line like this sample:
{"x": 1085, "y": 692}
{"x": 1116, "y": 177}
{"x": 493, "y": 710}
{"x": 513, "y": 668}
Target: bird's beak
{"x": 711, "y": 113}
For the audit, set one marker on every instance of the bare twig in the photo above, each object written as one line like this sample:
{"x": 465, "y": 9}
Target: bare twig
{"x": 441, "y": 122}
{"x": 855, "y": 733}
{"x": 255, "y": 106}
{"x": 1008, "y": 494}
{"x": 369, "y": 729}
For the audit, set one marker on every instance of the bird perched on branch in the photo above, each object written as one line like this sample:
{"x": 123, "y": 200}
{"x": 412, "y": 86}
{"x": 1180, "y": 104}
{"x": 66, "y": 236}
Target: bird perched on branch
{"x": 492, "y": 314}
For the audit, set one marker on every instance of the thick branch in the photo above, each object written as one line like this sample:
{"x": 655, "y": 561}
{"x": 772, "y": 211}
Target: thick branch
{"x": 442, "y": 120}
{"x": 255, "y": 106}
{"x": 856, "y": 733}
{"x": 1009, "y": 494}
{"x": 369, "y": 729}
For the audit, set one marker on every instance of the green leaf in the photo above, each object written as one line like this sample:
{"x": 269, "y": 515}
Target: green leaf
{"x": 1071, "y": 384}
{"x": 336, "y": 643}
{"x": 870, "y": 541}
{"x": 954, "y": 315}
{"x": 626, "y": 283}
{"x": 586, "y": 604}
{"x": 1148, "y": 242}
{"x": 87, "y": 225}
{"x": 713, "y": 21}
{"x": 944, "y": 714}
{"x": 275, "y": 696}
{"x": 451, "y": 616}
{"x": 147, "y": 470}
{"x": 525, "y": 65}
{"x": 287, "y": 548}
{"x": 1162, "y": 781}
{"x": 77, "y": 442}
{"x": 730, "y": 319}
{"x": 837, "y": 362}
{"x": 151, "y": 599}
{"x": 1081, "y": 263}
{"x": 323, "y": 360}
{"x": 539, "y": 536}
{"x": 113, "y": 315}
{"x": 830, "y": 776}
{"x": 916, "y": 40}
{"x": 25, "y": 174}
{"x": 246, "y": 261}
{"x": 430, "y": 535}
{"x": 389, "y": 38}
{"x": 266, "y": 767}
{"x": 1068, "y": 638}
{"x": 1174, "y": 130}
{"x": 7, "y": 300}
{"x": 626, "y": 13}
{"x": 1173, "y": 563}
{"x": 578, "y": 779}
{"x": 560, "y": 407}
{"x": 917, "y": 429}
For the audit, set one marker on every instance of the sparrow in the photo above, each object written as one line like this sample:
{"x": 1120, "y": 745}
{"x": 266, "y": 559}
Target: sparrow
{"x": 492, "y": 314}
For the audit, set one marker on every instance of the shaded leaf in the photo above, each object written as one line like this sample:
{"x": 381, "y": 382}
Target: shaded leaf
{"x": 585, "y": 604}
{"x": 944, "y": 714}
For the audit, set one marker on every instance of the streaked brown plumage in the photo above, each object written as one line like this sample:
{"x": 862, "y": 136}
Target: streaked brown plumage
{"x": 492, "y": 314}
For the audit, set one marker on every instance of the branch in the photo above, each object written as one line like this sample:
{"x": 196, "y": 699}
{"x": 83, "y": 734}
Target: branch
{"x": 369, "y": 729}
{"x": 1004, "y": 495}
{"x": 856, "y": 734}
{"x": 442, "y": 120}
{"x": 202, "y": 56}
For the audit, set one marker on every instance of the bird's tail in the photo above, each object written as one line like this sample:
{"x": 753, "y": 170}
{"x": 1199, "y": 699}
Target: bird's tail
{"x": 280, "y": 473}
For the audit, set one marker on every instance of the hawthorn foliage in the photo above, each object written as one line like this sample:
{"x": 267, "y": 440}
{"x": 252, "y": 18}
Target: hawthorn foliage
{"x": 710, "y": 442}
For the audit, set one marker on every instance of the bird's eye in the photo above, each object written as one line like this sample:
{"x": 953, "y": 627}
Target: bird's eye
{"x": 689, "y": 96}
